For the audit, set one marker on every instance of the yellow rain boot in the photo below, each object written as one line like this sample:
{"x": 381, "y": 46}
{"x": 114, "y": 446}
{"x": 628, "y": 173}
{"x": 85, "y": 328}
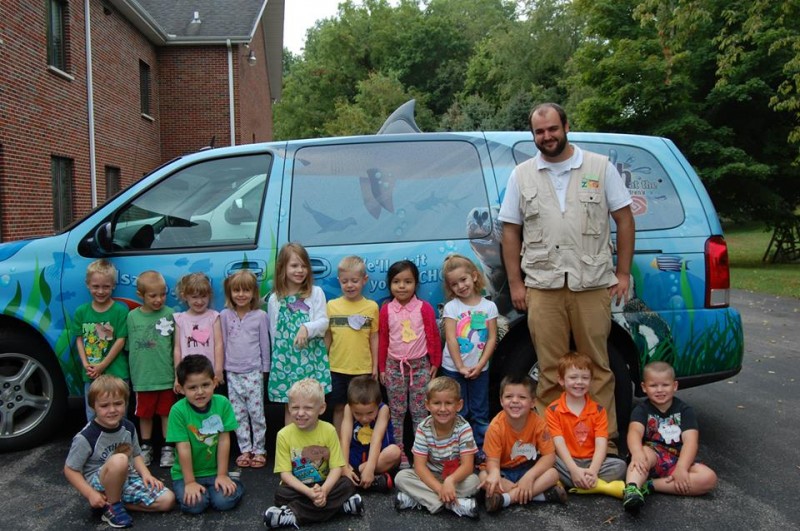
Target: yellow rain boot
{"x": 609, "y": 488}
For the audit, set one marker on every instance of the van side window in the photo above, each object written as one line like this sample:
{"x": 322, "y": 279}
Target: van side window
{"x": 210, "y": 204}
{"x": 385, "y": 192}
{"x": 656, "y": 204}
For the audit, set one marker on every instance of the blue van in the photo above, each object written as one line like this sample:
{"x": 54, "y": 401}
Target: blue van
{"x": 384, "y": 197}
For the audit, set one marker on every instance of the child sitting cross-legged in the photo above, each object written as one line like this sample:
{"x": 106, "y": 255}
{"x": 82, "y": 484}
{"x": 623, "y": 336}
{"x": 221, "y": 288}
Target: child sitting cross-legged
{"x": 368, "y": 437}
{"x": 444, "y": 452}
{"x": 519, "y": 451}
{"x": 310, "y": 461}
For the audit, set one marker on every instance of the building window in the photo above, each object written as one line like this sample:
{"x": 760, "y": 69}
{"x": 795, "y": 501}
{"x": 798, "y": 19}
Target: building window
{"x": 56, "y": 34}
{"x": 144, "y": 87}
{"x": 112, "y": 181}
{"x": 61, "y": 171}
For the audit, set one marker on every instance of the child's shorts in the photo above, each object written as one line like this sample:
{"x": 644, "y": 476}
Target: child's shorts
{"x": 150, "y": 403}
{"x": 516, "y": 473}
{"x": 339, "y": 384}
{"x": 666, "y": 459}
{"x": 134, "y": 490}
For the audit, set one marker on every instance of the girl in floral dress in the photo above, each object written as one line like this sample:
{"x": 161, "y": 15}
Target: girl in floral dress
{"x": 297, "y": 322}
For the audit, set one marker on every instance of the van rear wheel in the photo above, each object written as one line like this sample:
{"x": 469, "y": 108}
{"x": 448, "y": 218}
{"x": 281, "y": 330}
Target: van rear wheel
{"x": 32, "y": 392}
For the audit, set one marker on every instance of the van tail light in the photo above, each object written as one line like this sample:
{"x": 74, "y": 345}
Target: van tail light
{"x": 718, "y": 275}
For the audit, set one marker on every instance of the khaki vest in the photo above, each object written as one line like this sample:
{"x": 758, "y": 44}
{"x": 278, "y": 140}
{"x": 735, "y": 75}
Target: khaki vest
{"x": 576, "y": 242}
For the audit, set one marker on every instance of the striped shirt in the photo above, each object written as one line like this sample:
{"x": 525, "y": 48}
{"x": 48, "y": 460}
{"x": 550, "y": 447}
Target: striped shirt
{"x": 444, "y": 454}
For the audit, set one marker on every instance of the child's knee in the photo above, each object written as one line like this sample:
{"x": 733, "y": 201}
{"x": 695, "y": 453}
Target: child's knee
{"x": 165, "y": 502}
{"x": 199, "y": 507}
{"x": 706, "y": 479}
{"x": 391, "y": 452}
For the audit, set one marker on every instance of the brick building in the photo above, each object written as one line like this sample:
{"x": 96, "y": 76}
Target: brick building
{"x": 165, "y": 79}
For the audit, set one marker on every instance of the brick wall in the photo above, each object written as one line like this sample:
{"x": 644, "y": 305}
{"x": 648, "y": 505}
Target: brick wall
{"x": 255, "y": 110}
{"x": 44, "y": 113}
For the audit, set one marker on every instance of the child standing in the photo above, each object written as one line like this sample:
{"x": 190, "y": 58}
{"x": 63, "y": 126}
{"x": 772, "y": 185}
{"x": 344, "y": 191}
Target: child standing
{"x": 579, "y": 427}
{"x": 309, "y": 461}
{"x": 352, "y": 338}
{"x": 368, "y": 437}
{"x": 470, "y": 327}
{"x": 444, "y": 452}
{"x": 246, "y": 338}
{"x": 198, "y": 330}
{"x": 99, "y": 328}
{"x": 200, "y": 426}
{"x": 409, "y": 348}
{"x": 297, "y": 325}
{"x": 663, "y": 439}
{"x": 102, "y": 474}
{"x": 150, "y": 334}
{"x": 519, "y": 451}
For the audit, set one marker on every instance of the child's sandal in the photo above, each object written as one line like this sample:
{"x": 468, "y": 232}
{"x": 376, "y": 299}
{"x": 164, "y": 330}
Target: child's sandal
{"x": 244, "y": 460}
{"x": 259, "y": 461}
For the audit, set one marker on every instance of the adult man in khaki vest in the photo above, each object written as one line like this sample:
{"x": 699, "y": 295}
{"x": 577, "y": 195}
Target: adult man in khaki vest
{"x": 556, "y": 232}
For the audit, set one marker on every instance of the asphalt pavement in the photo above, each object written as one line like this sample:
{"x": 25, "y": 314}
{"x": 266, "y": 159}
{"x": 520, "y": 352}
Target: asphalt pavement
{"x": 748, "y": 435}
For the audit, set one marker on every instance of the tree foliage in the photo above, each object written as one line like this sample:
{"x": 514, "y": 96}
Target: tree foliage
{"x": 721, "y": 78}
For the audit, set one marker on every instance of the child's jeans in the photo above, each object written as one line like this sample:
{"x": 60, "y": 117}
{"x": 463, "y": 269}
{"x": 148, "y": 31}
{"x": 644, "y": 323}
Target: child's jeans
{"x": 409, "y": 482}
{"x": 405, "y": 386}
{"x": 216, "y": 499}
{"x": 304, "y": 509}
{"x": 475, "y": 394}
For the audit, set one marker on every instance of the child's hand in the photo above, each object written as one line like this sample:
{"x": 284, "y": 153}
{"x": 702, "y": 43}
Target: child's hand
{"x": 681, "y": 479}
{"x": 154, "y": 483}
{"x": 447, "y": 494}
{"x": 192, "y": 493}
{"x": 473, "y": 372}
{"x": 383, "y": 378}
{"x": 367, "y": 477}
{"x": 97, "y": 500}
{"x": 301, "y": 339}
{"x": 638, "y": 463}
{"x": 319, "y": 496}
{"x": 577, "y": 477}
{"x": 91, "y": 371}
{"x": 464, "y": 371}
{"x": 433, "y": 371}
{"x": 590, "y": 478}
{"x": 375, "y": 375}
{"x": 176, "y": 387}
{"x": 351, "y": 474}
{"x": 492, "y": 483}
{"x": 219, "y": 378}
{"x": 525, "y": 487}
{"x": 225, "y": 484}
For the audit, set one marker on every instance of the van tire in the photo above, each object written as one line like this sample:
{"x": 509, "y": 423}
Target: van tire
{"x": 33, "y": 397}
{"x": 623, "y": 395}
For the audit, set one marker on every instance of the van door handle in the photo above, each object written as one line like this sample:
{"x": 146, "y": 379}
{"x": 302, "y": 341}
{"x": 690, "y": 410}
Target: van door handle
{"x": 320, "y": 267}
{"x": 257, "y": 267}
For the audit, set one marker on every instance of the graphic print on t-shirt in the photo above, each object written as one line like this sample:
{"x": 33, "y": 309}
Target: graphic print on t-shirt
{"x": 310, "y": 465}
{"x": 471, "y": 331}
{"x": 666, "y": 430}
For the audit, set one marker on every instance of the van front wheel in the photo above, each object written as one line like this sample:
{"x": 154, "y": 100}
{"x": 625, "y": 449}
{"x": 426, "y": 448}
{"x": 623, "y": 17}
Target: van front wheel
{"x": 32, "y": 392}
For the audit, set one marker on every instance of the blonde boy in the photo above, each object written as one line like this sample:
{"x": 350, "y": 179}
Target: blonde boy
{"x": 99, "y": 328}
{"x": 519, "y": 451}
{"x": 310, "y": 462}
{"x": 579, "y": 427}
{"x": 663, "y": 439}
{"x": 100, "y": 472}
{"x": 150, "y": 335}
{"x": 352, "y": 337}
{"x": 444, "y": 451}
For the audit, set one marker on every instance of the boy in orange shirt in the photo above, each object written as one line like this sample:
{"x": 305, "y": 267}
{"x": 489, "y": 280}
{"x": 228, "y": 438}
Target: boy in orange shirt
{"x": 579, "y": 427}
{"x": 519, "y": 451}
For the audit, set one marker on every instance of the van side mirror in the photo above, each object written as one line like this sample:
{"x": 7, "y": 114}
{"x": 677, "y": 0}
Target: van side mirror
{"x": 103, "y": 239}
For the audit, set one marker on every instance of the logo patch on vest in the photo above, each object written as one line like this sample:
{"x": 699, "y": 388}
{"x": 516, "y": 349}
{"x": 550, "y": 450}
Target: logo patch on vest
{"x": 590, "y": 182}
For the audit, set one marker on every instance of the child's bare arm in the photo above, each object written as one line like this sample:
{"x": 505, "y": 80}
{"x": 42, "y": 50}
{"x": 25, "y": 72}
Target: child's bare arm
{"x": 525, "y": 484}
{"x": 452, "y": 344}
{"x": 219, "y": 353}
{"x": 492, "y": 481}
{"x": 345, "y": 438}
{"x": 112, "y": 354}
{"x": 575, "y": 472}
{"x": 373, "y": 349}
{"x": 96, "y": 499}
{"x": 599, "y": 455}
{"x": 381, "y": 425}
{"x": 293, "y": 483}
{"x": 680, "y": 476}
{"x": 328, "y": 339}
{"x": 638, "y": 458}
{"x": 488, "y": 349}
{"x": 176, "y": 353}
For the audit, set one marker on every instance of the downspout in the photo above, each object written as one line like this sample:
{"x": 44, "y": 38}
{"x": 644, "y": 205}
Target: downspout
{"x": 230, "y": 93}
{"x": 90, "y": 104}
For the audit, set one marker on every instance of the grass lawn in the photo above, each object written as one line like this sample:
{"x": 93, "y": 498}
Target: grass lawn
{"x": 746, "y": 247}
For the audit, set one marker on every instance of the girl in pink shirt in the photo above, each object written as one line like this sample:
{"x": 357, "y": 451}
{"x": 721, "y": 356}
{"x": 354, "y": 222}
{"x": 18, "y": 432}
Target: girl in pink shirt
{"x": 409, "y": 349}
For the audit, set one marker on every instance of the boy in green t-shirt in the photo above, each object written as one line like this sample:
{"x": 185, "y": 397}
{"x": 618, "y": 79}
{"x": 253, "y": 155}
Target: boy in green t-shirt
{"x": 99, "y": 328}
{"x": 150, "y": 332}
{"x": 200, "y": 426}
{"x": 310, "y": 461}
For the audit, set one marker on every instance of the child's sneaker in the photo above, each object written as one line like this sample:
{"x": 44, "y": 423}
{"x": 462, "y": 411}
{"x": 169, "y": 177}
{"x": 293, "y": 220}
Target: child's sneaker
{"x": 403, "y": 501}
{"x": 383, "y": 483}
{"x": 147, "y": 454}
{"x": 632, "y": 499}
{"x": 556, "y": 494}
{"x": 279, "y": 517}
{"x": 464, "y": 507}
{"x": 167, "y": 457}
{"x": 493, "y": 503}
{"x": 115, "y": 515}
{"x": 405, "y": 464}
{"x": 354, "y": 505}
